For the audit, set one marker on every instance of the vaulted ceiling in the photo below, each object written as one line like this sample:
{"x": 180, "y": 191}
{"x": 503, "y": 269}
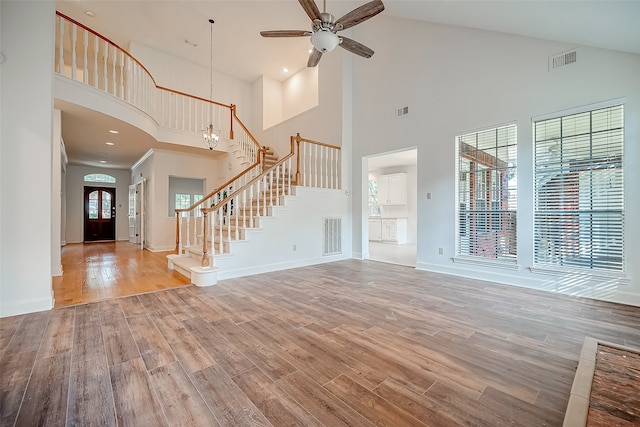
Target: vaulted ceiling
{"x": 181, "y": 28}
{"x": 175, "y": 26}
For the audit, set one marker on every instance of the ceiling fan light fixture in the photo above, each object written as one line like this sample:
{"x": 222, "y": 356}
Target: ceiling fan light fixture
{"x": 324, "y": 41}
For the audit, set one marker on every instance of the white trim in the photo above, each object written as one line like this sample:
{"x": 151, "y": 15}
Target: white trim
{"x": 487, "y": 128}
{"x": 506, "y": 264}
{"x": 267, "y": 268}
{"x": 578, "y": 110}
{"x": 142, "y": 159}
{"x": 26, "y": 306}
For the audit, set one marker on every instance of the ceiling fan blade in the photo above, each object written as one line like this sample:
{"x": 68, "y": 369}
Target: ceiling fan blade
{"x": 314, "y": 58}
{"x": 360, "y": 14}
{"x": 310, "y": 8}
{"x": 285, "y": 33}
{"x": 355, "y": 47}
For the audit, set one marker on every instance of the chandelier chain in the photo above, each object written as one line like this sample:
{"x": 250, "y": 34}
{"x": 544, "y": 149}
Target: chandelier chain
{"x": 210, "y": 135}
{"x": 211, "y": 21}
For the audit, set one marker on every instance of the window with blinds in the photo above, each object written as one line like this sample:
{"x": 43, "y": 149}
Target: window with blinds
{"x": 486, "y": 184}
{"x": 579, "y": 192}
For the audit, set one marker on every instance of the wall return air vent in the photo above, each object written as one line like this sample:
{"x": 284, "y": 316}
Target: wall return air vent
{"x": 563, "y": 59}
{"x": 332, "y": 241}
{"x": 402, "y": 111}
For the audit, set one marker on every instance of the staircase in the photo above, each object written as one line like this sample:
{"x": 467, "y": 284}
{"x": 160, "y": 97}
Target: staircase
{"x": 239, "y": 216}
{"x": 226, "y": 230}
{"x": 231, "y": 216}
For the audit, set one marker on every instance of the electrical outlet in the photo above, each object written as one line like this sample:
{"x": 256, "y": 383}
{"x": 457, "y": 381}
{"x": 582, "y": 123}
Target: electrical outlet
{"x": 294, "y": 247}
{"x": 440, "y": 251}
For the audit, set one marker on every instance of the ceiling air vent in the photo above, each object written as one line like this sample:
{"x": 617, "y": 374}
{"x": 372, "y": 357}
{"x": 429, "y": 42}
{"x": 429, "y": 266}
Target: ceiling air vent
{"x": 562, "y": 59}
{"x": 402, "y": 111}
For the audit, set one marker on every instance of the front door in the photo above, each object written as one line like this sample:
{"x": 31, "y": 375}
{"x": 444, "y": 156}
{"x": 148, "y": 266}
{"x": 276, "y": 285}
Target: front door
{"x": 99, "y": 214}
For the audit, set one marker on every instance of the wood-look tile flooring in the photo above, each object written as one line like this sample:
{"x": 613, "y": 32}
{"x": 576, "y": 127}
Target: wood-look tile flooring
{"x": 350, "y": 343}
{"x": 97, "y": 271}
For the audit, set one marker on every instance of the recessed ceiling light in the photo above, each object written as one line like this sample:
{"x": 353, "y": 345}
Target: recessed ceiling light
{"x": 103, "y": 161}
{"x": 286, "y": 70}
{"x": 310, "y": 50}
{"x": 91, "y": 14}
{"x": 109, "y": 143}
{"x": 113, "y": 131}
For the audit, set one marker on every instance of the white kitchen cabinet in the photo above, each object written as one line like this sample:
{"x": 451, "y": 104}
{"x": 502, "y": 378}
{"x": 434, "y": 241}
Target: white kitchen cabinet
{"x": 394, "y": 230}
{"x": 375, "y": 229}
{"x": 388, "y": 230}
{"x": 392, "y": 189}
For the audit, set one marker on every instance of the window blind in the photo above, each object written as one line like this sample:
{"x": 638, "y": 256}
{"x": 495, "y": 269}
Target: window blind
{"x": 486, "y": 183}
{"x": 579, "y": 191}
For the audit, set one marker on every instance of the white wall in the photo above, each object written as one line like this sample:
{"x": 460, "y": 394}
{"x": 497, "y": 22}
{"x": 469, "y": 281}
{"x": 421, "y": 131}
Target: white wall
{"x": 292, "y": 237}
{"x": 455, "y": 80}
{"x": 26, "y": 136}
{"x": 300, "y": 92}
{"x": 56, "y": 194}
{"x": 193, "y": 79}
{"x": 322, "y": 123}
{"x": 281, "y": 101}
{"x": 75, "y": 200}
{"x": 272, "y": 99}
{"x": 156, "y": 169}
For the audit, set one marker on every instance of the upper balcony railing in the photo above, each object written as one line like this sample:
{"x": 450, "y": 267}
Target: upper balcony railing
{"x": 85, "y": 56}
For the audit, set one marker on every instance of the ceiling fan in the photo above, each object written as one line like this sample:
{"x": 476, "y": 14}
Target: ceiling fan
{"x": 325, "y": 26}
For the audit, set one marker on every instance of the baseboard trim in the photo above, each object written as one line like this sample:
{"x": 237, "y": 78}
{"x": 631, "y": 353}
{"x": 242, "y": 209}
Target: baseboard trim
{"x": 268, "y": 268}
{"x": 160, "y": 248}
{"x": 26, "y": 306}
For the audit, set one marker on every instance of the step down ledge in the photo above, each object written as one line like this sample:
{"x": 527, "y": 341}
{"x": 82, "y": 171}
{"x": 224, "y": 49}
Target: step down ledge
{"x": 199, "y": 276}
{"x": 204, "y": 276}
{"x": 172, "y": 259}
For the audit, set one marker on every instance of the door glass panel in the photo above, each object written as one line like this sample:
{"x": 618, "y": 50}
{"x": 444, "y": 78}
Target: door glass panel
{"x": 93, "y": 205}
{"x": 106, "y": 205}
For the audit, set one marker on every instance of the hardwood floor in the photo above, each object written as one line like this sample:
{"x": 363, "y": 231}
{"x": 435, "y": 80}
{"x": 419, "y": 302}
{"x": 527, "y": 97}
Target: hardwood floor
{"x": 97, "y": 271}
{"x": 353, "y": 343}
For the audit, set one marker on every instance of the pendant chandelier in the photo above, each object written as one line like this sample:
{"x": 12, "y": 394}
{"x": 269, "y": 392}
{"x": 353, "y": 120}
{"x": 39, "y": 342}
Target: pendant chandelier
{"x": 210, "y": 135}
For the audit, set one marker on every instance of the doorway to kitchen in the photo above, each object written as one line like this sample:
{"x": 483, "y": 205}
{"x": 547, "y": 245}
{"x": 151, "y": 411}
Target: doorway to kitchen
{"x": 392, "y": 207}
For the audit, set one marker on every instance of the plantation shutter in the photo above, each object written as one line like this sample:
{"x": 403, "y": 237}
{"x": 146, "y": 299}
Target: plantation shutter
{"x": 579, "y": 191}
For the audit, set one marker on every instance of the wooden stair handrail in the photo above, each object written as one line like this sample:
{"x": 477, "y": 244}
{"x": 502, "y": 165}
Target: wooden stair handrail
{"x": 222, "y": 202}
{"x": 300, "y": 139}
{"x": 253, "y": 138}
{"x": 208, "y": 197}
{"x": 218, "y": 189}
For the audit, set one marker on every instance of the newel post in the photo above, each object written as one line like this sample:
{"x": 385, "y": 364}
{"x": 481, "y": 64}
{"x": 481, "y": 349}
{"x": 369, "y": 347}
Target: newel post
{"x": 232, "y": 112}
{"x": 177, "y": 232}
{"x": 205, "y": 226}
{"x": 298, "y": 159}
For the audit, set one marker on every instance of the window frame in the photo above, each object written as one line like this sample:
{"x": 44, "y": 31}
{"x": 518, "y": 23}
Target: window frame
{"x": 478, "y": 238}
{"x": 550, "y": 246}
